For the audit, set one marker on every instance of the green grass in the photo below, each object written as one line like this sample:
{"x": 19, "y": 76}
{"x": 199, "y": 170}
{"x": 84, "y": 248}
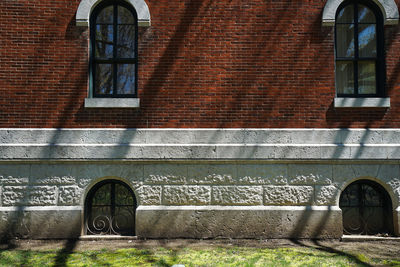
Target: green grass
{"x": 189, "y": 257}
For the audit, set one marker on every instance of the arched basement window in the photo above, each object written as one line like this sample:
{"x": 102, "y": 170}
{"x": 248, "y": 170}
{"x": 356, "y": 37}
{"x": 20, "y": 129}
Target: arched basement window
{"x": 359, "y": 50}
{"x": 110, "y": 209}
{"x": 366, "y": 209}
{"x": 113, "y": 39}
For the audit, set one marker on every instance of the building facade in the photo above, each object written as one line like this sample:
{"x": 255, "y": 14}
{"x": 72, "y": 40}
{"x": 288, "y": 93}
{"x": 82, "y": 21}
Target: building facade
{"x": 201, "y": 119}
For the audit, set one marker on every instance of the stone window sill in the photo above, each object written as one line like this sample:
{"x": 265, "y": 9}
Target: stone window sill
{"x": 112, "y": 102}
{"x": 367, "y": 102}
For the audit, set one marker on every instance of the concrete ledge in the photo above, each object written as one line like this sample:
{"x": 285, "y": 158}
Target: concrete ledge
{"x": 362, "y": 238}
{"x": 106, "y": 237}
{"x": 199, "y": 152}
{"x": 348, "y": 102}
{"x": 112, "y": 102}
{"x": 194, "y": 144}
{"x": 238, "y": 222}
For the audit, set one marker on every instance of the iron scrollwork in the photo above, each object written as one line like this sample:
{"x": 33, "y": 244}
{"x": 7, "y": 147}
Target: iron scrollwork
{"x": 111, "y": 210}
{"x": 366, "y": 209}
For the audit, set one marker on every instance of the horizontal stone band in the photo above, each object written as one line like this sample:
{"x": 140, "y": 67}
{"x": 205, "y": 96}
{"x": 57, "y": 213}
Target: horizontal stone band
{"x": 208, "y": 144}
{"x": 238, "y": 208}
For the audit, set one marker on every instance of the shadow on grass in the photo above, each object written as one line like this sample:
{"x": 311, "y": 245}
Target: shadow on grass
{"x": 316, "y": 244}
{"x": 63, "y": 255}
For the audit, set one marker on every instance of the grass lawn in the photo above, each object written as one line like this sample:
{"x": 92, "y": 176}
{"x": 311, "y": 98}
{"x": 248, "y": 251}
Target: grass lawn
{"x": 200, "y": 256}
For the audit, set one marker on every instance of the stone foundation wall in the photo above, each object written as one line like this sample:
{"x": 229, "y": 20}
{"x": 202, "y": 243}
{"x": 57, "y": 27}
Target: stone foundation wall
{"x": 192, "y": 192}
{"x": 194, "y": 182}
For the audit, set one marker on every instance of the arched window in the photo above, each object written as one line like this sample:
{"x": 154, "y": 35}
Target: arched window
{"x": 366, "y": 209}
{"x": 110, "y": 209}
{"x": 113, "y": 43}
{"x": 359, "y": 50}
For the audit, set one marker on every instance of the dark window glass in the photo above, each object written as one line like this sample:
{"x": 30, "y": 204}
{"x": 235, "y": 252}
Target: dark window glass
{"x": 110, "y": 209}
{"x": 114, "y": 50}
{"x": 359, "y": 50}
{"x": 366, "y": 209}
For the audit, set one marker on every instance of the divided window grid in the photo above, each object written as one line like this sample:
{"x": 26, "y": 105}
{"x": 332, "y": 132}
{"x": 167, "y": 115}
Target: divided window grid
{"x": 359, "y": 50}
{"x": 113, "y": 50}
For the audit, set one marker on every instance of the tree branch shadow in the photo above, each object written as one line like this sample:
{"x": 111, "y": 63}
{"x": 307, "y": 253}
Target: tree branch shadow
{"x": 317, "y": 244}
{"x": 63, "y": 254}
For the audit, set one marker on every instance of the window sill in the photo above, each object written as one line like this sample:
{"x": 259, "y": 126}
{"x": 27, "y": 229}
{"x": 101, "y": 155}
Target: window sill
{"x": 367, "y": 102}
{"x": 112, "y": 102}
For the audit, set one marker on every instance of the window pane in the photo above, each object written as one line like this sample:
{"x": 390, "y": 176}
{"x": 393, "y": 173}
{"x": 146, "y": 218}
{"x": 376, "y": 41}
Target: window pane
{"x": 122, "y": 195}
{"x": 126, "y": 79}
{"x": 365, "y": 15}
{"x": 104, "y": 79}
{"x": 102, "y": 195}
{"x": 125, "y": 16}
{"x": 104, "y": 41}
{"x": 124, "y": 220}
{"x": 350, "y": 196}
{"x": 345, "y": 40}
{"x": 106, "y": 15}
{"x": 126, "y": 41}
{"x": 366, "y": 77}
{"x": 344, "y": 77}
{"x": 367, "y": 40}
{"x": 346, "y": 15}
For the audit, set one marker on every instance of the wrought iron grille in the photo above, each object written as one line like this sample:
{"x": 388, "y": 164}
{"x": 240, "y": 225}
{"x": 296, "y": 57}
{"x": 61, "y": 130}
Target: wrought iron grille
{"x": 110, "y": 209}
{"x": 366, "y": 209}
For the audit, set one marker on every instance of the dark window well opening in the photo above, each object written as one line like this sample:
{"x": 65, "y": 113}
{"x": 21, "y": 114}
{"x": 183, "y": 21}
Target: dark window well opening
{"x": 113, "y": 44}
{"x": 359, "y": 50}
{"x": 110, "y": 209}
{"x": 366, "y": 209}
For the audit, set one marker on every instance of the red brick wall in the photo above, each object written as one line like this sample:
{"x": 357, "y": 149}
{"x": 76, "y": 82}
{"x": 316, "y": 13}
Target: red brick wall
{"x": 252, "y": 63}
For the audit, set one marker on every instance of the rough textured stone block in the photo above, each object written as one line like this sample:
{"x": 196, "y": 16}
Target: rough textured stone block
{"x": 308, "y": 174}
{"x": 237, "y": 195}
{"x": 14, "y": 195}
{"x": 165, "y": 174}
{"x": 26, "y": 195}
{"x": 238, "y": 222}
{"x": 212, "y": 173}
{"x": 394, "y": 183}
{"x": 84, "y": 182}
{"x": 69, "y": 195}
{"x": 262, "y": 174}
{"x": 42, "y": 195}
{"x": 288, "y": 195}
{"x": 326, "y": 195}
{"x": 149, "y": 195}
{"x": 186, "y": 195}
{"x": 56, "y": 180}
